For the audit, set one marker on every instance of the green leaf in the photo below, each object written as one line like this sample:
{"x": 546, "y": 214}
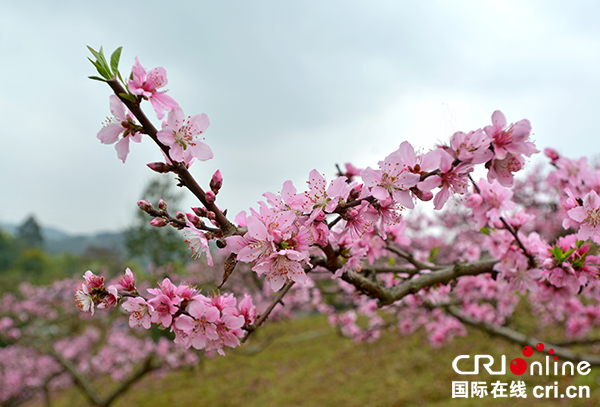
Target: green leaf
{"x": 100, "y": 63}
{"x": 102, "y": 58}
{"x": 101, "y": 69}
{"x": 114, "y": 60}
{"x": 485, "y": 230}
{"x": 96, "y": 54}
{"x": 567, "y": 254}
{"x": 97, "y": 78}
{"x": 129, "y": 97}
{"x": 434, "y": 252}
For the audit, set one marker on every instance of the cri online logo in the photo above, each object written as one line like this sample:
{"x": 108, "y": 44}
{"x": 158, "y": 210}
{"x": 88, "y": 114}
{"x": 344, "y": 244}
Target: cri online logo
{"x": 518, "y": 366}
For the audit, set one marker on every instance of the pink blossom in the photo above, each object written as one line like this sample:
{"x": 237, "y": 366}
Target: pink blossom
{"x": 494, "y": 200}
{"x": 162, "y": 310}
{"x": 394, "y": 177}
{"x": 470, "y": 148}
{"x": 92, "y": 281}
{"x": 588, "y": 215}
{"x": 140, "y": 312}
{"x": 282, "y": 266}
{"x": 178, "y": 133}
{"x": 126, "y": 282}
{"x": 84, "y": 300}
{"x": 197, "y": 242}
{"x": 503, "y": 170}
{"x": 147, "y": 85}
{"x": 198, "y": 328}
{"x": 247, "y": 310}
{"x": 122, "y": 123}
{"x": 512, "y": 139}
{"x": 318, "y": 199}
{"x": 451, "y": 179}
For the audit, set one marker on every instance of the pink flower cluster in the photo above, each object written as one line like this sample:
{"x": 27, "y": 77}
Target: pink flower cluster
{"x": 178, "y": 132}
{"x": 209, "y": 323}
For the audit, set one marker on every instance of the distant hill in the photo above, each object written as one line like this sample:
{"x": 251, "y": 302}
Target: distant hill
{"x": 58, "y": 241}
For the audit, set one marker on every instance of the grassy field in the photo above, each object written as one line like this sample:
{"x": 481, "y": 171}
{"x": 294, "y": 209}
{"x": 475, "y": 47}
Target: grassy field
{"x": 306, "y": 363}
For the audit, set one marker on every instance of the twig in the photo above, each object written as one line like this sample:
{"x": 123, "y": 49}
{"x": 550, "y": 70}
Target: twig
{"x": 259, "y": 321}
{"x": 522, "y": 339}
{"x": 409, "y": 257}
{"x": 185, "y": 177}
{"x": 530, "y": 259}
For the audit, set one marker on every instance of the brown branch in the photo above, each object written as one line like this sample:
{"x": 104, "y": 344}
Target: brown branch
{"x": 80, "y": 381}
{"x": 387, "y": 296}
{"x": 86, "y": 386}
{"x": 575, "y": 342}
{"x": 387, "y": 269}
{"x": 185, "y": 177}
{"x": 147, "y": 367}
{"x": 409, "y": 257}
{"x": 261, "y": 319}
{"x": 524, "y": 340}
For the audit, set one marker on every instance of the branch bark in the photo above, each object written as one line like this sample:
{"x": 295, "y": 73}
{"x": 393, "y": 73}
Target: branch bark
{"x": 387, "y": 296}
{"x": 524, "y": 340}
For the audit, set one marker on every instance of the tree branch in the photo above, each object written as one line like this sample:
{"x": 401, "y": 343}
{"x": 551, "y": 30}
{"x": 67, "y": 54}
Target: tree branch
{"x": 524, "y": 340}
{"x": 259, "y": 321}
{"x": 186, "y": 178}
{"x": 387, "y": 296}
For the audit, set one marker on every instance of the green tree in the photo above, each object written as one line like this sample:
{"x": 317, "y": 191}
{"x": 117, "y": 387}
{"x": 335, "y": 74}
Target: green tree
{"x": 150, "y": 244}
{"x": 29, "y": 234}
{"x": 9, "y": 250}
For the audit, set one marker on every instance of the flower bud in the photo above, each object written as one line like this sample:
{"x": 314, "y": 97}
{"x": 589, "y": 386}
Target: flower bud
{"x": 200, "y": 211}
{"x": 196, "y": 221}
{"x": 424, "y": 195}
{"x": 144, "y": 205}
{"x": 210, "y": 197}
{"x": 552, "y": 154}
{"x": 211, "y": 215}
{"x": 355, "y": 193}
{"x": 158, "y": 222}
{"x": 159, "y": 167}
{"x": 162, "y": 205}
{"x": 180, "y": 216}
{"x": 216, "y": 182}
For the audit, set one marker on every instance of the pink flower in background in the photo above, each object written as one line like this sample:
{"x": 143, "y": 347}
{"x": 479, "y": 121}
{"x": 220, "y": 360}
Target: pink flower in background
{"x": 178, "y": 133}
{"x": 588, "y": 216}
{"x": 490, "y": 203}
{"x": 147, "y": 85}
{"x": 122, "y": 123}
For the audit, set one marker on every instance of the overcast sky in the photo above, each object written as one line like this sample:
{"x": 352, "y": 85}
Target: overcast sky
{"x": 288, "y": 87}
